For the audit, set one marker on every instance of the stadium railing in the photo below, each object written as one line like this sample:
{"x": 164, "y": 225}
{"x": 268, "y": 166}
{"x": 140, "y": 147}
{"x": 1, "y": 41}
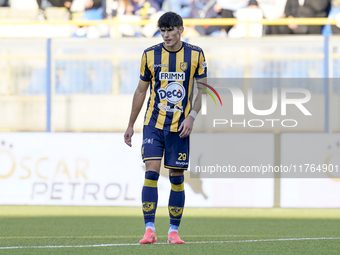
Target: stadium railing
{"x": 217, "y": 22}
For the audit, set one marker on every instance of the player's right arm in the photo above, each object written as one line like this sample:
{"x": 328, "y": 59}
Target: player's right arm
{"x": 138, "y": 97}
{"x": 137, "y": 104}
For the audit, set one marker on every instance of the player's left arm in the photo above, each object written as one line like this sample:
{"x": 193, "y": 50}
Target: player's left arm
{"x": 187, "y": 125}
{"x": 201, "y": 75}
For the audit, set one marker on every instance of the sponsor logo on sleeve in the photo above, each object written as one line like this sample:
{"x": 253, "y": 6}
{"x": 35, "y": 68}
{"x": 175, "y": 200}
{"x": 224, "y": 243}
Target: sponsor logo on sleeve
{"x": 204, "y": 65}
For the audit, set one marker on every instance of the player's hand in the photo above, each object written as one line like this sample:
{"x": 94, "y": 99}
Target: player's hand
{"x": 186, "y": 126}
{"x": 128, "y": 135}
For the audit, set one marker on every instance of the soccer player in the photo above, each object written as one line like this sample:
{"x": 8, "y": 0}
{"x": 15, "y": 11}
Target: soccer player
{"x": 169, "y": 69}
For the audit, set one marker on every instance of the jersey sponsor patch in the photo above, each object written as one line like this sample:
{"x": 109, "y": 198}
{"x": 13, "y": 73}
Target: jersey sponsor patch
{"x": 174, "y": 93}
{"x": 172, "y": 76}
{"x": 167, "y": 108}
{"x": 204, "y": 65}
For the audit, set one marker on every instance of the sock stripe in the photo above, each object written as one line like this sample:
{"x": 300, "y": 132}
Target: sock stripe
{"x": 178, "y": 187}
{"x": 150, "y": 183}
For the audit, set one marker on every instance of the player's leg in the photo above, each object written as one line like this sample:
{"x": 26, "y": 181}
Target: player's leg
{"x": 176, "y": 160}
{"x": 152, "y": 152}
{"x": 176, "y": 204}
{"x": 149, "y": 200}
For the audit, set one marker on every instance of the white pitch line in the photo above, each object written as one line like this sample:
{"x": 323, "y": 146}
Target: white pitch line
{"x": 202, "y": 242}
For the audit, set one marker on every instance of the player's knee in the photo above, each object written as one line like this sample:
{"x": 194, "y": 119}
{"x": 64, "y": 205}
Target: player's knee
{"x": 152, "y": 170}
{"x": 153, "y": 165}
{"x": 151, "y": 179}
{"x": 175, "y": 172}
{"x": 177, "y": 183}
{"x": 177, "y": 179}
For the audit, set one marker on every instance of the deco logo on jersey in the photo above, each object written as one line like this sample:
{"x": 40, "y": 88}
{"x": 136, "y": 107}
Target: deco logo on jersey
{"x": 173, "y": 93}
{"x": 171, "y": 76}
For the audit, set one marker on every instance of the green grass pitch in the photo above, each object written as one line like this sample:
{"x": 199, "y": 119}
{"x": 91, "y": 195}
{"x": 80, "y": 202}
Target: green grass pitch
{"x": 236, "y": 231}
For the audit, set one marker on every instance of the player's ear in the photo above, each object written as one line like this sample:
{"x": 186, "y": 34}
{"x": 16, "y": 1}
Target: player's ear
{"x": 181, "y": 29}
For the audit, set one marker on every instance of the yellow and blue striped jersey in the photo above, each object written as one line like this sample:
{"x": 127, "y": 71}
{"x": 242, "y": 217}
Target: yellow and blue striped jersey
{"x": 171, "y": 74}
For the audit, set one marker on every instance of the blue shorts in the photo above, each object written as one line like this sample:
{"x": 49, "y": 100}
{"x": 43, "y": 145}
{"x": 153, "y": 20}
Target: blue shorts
{"x": 157, "y": 142}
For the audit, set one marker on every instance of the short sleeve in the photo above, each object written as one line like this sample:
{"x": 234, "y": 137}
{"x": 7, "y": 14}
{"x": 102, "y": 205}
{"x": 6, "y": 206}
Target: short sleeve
{"x": 201, "y": 70}
{"x": 145, "y": 74}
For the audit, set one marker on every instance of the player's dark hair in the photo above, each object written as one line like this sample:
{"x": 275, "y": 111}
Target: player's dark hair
{"x": 170, "y": 20}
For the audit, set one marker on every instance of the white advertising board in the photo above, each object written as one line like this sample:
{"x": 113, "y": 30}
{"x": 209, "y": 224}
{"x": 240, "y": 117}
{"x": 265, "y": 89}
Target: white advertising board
{"x": 98, "y": 169}
{"x": 316, "y": 150}
{"x": 234, "y": 150}
{"x": 68, "y": 169}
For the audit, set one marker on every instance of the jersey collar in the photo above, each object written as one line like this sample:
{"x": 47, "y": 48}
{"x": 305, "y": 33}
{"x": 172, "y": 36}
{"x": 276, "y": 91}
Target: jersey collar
{"x": 173, "y": 50}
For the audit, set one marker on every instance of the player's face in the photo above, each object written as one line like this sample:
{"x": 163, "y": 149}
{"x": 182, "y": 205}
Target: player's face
{"x": 172, "y": 37}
